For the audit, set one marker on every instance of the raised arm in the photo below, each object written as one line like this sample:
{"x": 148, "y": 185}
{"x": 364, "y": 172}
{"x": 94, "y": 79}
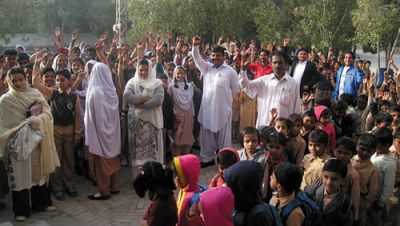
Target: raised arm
{"x": 36, "y": 81}
{"x": 199, "y": 61}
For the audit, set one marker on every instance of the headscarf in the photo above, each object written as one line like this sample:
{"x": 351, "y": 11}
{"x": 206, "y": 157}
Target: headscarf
{"x": 183, "y": 98}
{"x": 146, "y": 87}
{"x": 20, "y": 46}
{"x": 217, "y": 206}
{"x": 245, "y": 179}
{"x": 318, "y": 111}
{"x": 54, "y": 65}
{"x": 13, "y": 107}
{"x": 102, "y": 121}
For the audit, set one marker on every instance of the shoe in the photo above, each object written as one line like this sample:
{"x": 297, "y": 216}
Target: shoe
{"x": 59, "y": 195}
{"x": 20, "y": 218}
{"x": 71, "y": 192}
{"x": 50, "y": 209}
{"x": 98, "y": 196}
{"x": 124, "y": 163}
{"x": 115, "y": 192}
{"x": 207, "y": 164}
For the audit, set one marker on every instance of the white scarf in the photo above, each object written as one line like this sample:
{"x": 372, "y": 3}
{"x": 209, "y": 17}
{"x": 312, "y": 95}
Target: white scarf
{"x": 55, "y": 67}
{"x": 183, "y": 98}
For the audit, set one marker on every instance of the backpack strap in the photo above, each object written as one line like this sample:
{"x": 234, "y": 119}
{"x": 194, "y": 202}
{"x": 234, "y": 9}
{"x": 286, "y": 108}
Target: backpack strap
{"x": 289, "y": 208}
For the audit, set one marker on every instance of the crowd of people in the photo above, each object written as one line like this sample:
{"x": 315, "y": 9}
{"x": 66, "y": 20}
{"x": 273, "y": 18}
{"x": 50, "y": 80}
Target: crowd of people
{"x": 319, "y": 131}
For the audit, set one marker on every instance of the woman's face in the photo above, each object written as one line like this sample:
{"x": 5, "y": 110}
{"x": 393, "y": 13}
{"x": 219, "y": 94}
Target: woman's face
{"x": 62, "y": 62}
{"x": 143, "y": 71}
{"x": 19, "y": 82}
{"x": 76, "y": 67}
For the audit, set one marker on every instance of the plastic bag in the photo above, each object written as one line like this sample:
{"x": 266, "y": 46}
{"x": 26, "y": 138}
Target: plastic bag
{"x": 25, "y": 140}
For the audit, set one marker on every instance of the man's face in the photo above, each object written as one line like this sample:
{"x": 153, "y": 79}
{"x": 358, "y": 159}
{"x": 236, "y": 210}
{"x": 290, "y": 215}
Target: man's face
{"x": 217, "y": 58}
{"x": 302, "y": 55}
{"x": 278, "y": 65}
{"x": 348, "y": 59}
{"x": 263, "y": 57}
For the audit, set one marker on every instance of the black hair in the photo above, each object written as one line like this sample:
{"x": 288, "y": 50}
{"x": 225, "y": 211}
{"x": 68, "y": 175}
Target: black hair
{"x": 301, "y": 50}
{"x": 386, "y": 103}
{"x": 368, "y": 62}
{"x": 248, "y": 130}
{"x": 319, "y": 136}
{"x": 22, "y": 56}
{"x": 278, "y": 138}
{"x": 265, "y": 131}
{"x": 285, "y": 120}
{"x": 79, "y": 60}
{"x": 218, "y": 49}
{"x": 143, "y": 62}
{"x": 295, "y": 118}
{"x": 340, "y": 105}
{"x": 176, "y": 82}
{"x": 289, "y": 176}
{"x": 336, "y": 166}
{"x": 309, "y": 113}
{"x": 352, "y": 54}
{"x": 48, "y": 69}
{"x": 161, "y": 76}
{"x": 348, "y": 143}
{"x": 397, "y": 133}
{"x": 265, "y": 51}
{"x": 395, "y": 108}
{"x": 383, "y": 136}
{"x": 76, "y": 49}
{"x": 368, "y": 140}
{"x": 348, "y": 98}
{"x": 324, "y": 113}
{"x": 363, "y": 96}
{"x": 155, "y": 178}
{"x": 324, "y": 102}
{"x": 226, "y": 158}
{"x": 16, "y": 70}
{"x": 277, "y": 54}
{"x": 65, "y": 73}
{"x": 383, "y": 117}
{"x": 10, "y": 52}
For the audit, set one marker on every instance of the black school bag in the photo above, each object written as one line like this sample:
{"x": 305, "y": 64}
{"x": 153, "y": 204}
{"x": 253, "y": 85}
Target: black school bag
{"x": 248, "y": 219}
{"x": 310, "y": 209}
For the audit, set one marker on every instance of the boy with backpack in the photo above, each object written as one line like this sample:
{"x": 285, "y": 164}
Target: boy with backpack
{"x": 336, "y": 207}
{"x": 295, "y": 208}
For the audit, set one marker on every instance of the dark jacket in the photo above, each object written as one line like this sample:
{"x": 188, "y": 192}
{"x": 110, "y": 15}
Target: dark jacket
{"x": 311, "y": 76}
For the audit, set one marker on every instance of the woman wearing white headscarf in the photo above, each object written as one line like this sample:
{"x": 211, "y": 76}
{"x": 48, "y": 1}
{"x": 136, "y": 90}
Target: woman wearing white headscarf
{"x": 102, "y": 130}
{"x": 61, "y": 62}
{"x": 145, "y": 95}
{"x": 181, "y": 92}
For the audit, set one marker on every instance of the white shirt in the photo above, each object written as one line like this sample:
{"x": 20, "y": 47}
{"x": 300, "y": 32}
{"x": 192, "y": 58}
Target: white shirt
{"x": 281, "y": 94}
{"x": 299, "y": 71}
{"x": 341, "y": 82}
{"x": 219, "y": 86}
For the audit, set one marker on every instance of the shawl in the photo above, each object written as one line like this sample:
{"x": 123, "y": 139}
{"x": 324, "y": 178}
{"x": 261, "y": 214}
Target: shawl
{"x": 182, "y": 98}
{"x": 54, "y": 65}
{"x": 146, "y": 87}
{"x": 102, "y": 121}
{"x": 13, "y": 107}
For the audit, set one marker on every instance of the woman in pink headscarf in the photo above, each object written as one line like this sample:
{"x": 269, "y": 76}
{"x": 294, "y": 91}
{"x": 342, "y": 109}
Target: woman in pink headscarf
{"x": 215, "y": 207}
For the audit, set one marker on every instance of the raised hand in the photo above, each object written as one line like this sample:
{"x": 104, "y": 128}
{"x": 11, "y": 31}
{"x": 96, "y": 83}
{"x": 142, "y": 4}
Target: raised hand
{"x": 286, "y": 42}
{"x": 39, "y": 57}
{"x": 75, "y": 36}
{"x": 274, "y": 113}
{"x": 196, "y": 40}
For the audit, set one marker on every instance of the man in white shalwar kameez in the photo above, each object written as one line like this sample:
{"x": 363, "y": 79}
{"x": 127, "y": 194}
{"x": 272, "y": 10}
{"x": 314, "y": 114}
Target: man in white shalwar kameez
{"x": 220, "y": 84}
{"x": 277, "y": 90}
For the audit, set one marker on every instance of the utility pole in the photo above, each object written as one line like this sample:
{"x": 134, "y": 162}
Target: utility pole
{"x": 121, "y": 19}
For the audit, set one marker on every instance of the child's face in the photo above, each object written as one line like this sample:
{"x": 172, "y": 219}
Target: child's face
{"x": 364, "y": 152}
{"x": 250, "y": 143}
{"x": 385, "y": 108}
{"x": 396, "y": 143}
{"x": 296, "y": 128}
{"x": 276, "y": 151}
{"x": 308, "y": 123}
{"x": 361, "y": 103}
{"x": 344, "y": 154}
{"x": 396, "y": 117}
{"x": 273, "y": 183}
{"x": 324, "y": 119}
{"x": 263, "y": 143}
{"x": 384, "y": 125}
{"x": 281, "y": 127}
{"x": 332, "y": 182}
{"x": 62, "y": 82}
{"x": 316, "y": 149}
{"x": 180, "y": 75}
{"x": 178, "y": 182}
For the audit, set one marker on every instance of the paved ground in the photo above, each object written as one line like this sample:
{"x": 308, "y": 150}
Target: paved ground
{"x": 123, "y": 209}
